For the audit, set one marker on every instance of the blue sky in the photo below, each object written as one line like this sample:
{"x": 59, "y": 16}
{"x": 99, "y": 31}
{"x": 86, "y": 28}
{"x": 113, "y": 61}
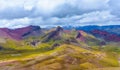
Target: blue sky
{"x": 21, "y": 13}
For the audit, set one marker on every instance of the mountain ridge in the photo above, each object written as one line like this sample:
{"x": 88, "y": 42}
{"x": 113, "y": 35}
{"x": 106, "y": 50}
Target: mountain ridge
{"x": 58, "y": 48}
{"x": 18, "y": 34}
{"x": 26, "y": 32}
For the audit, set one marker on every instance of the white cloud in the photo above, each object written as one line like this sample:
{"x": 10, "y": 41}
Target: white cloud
{"x": 20, "y": 13}
{"x": 115, "y": 7}
{"x": 89, "y": 4}
{"x": 92, "y": 18}
{"x": 48, "y": 7}
{"x": 98, "y": 16}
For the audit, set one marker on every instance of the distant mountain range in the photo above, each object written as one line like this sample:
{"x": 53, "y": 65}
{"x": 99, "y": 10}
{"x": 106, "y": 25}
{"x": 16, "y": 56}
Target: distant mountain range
{"x": 108, "y": 33}
{"x": 111, "y": 28}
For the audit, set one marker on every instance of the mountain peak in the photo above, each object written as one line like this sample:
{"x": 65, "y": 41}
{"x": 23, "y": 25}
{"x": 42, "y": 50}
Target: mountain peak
{"x": 54, "y": 35}
{"x": 34, "y": 27}
{"x": 59, "y": 28}
{"x": 20, "y": 33}
{"x": 78, "y": 35}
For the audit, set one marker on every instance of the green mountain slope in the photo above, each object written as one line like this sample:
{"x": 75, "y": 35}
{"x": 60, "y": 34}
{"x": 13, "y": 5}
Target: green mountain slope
{"x": 64, "y": 57}
{"x": 59, "y": 49}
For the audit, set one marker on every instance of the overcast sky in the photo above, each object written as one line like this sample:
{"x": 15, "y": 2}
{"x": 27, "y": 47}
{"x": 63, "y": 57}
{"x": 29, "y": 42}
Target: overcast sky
{"x": 21, "y": 13}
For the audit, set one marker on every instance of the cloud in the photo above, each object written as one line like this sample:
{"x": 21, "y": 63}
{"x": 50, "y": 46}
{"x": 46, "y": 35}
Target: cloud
{"x": 14, "y": 13}
{"x": 92, "y": 18}
{"x": 11, "y": 9}
{"x": 115, "y": 7}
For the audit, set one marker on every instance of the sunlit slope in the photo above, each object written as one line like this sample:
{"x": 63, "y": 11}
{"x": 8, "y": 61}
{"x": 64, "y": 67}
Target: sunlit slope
{"x": 65, "y": 57}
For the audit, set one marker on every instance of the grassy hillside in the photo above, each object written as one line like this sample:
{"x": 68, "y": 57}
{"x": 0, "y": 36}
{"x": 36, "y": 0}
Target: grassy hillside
{"x": 64, "y": 57}
{"x": 59, "y": 49}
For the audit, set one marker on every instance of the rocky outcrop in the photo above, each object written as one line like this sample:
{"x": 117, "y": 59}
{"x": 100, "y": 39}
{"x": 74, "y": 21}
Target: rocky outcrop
{"x": 54, "y": 35}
